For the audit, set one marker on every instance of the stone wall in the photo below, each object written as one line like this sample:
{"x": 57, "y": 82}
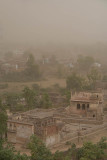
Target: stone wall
{"x": 19, "y": 132}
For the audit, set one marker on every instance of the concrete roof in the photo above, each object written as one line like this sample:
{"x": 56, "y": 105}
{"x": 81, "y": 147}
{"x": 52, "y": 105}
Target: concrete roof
{"x": 40, "y": 113}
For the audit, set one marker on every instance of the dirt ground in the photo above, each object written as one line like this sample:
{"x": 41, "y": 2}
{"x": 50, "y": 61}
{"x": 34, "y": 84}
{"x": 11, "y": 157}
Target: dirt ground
{"x": 64, "y": 147}
{"x": 19, "y": 86}
{"x": 94, "y": 139}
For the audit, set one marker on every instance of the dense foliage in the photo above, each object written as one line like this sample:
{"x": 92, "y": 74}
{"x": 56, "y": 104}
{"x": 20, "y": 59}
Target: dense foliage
{"x": 39, "y": 151}
{"x": 7, "y": 152}
{"x": 76, "y": 82}
{"x": 30, "y": 73}
{"x": 3, "y": 120}
{"x": 85, "y": 62}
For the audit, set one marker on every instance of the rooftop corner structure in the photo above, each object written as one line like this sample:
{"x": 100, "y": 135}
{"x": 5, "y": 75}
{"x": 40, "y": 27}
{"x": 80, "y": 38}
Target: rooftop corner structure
{"x": 87, "y": 104}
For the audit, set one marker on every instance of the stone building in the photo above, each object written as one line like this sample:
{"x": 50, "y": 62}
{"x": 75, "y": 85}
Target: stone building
{"x": 87, "y": 104}
{"x": 38, "y": 121}
{"x": 19, "y": 132}
{"x": 56, "y": 125}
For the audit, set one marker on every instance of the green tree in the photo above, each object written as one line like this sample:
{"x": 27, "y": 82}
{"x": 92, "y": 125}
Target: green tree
{"x": 91, "y": 151}
{"x": 45, "y": 101}
{"x": 75, "y": 82}
{"x": 12, "y": 100}
{"x": 32, "y": 70}
{"x": 39, "y": 150}
{"x": 7, "y": 152}
{"x": 30, "y": 97}
{"x": 93, "y": 77}
{"x": 3, "y": 120}
{"x": 60, "y": 156}
{"x": 85, "y": 62}
{"x": 68, "y": 96}
{"x": 30, "y": 61}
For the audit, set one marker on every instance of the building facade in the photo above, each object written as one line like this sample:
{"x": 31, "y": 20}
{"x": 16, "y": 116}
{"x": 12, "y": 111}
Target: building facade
{"x": 87, "y": 104}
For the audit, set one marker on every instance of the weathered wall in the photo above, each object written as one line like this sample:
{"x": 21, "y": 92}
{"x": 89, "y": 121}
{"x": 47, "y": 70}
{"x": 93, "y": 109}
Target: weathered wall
{"x": 51, "y": 135}
{"x": 53, "y": 139}
{"x": 73, "y": 108}
{"x": 19, "y": 132}
{"x": 11, "y": 136}
{"x": 82, "y": 121}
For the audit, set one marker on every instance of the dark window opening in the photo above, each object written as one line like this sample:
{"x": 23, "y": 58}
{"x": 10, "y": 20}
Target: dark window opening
{"x": 88, "y": 106}
{"x": 78, "y": 106}
{"x": 83, "y": 106}
{"x": 97, "y": 96}
{"x": 6, "y": 135}
{"x": 93, "y": 115}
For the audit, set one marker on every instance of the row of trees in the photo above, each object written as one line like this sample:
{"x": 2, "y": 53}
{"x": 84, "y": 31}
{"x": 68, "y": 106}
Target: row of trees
{"x": 84, "y": 63}
{"x": 30, "y": 73}
{"x": 34, "y": 99}
{"x": 29, "y": 98}
{"x": 39, "y": 151}
{"x": 3, "y": 120}
{"x": 76, "y": 82}
{"x": 39, "y": 98}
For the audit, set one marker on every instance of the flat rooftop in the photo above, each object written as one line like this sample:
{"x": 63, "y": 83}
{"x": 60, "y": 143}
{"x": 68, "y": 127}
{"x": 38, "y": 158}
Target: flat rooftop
{"x": 40, "y": 113}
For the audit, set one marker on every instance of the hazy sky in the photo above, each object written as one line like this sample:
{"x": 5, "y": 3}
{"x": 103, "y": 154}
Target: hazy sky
{"x": 53, "y": 21}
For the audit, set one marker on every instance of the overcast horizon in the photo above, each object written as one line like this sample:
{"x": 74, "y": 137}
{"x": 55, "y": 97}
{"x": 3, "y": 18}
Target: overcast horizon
{"x": 43, "y": 22}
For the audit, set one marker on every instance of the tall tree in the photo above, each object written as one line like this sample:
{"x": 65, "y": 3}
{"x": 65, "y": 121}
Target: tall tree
{"x": 32, "y": 70}
{"x": 7, "y": 152}
{"x": 39, "y": 150}
{"x": 85, "y": 62}
{"x": 45, "y": 101}
{"x": 3, "y": 120}
{"x": 75, "y": 82}
{"x": 93, "y": 77}
{"x": 91, "y": 151}
{"x": 29, "y": 96}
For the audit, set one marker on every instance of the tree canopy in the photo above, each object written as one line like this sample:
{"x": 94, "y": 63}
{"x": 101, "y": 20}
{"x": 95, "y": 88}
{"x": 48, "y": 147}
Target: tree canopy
{"x": 85, "y": 62}
{"x": 75, "y": 82}
{"x": 39, "y": 151}
{"x": 3, "y": 120}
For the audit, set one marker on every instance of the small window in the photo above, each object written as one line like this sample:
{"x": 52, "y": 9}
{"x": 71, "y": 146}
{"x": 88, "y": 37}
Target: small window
{"x": 93, "y": 115}
{"x": 83, "y": 106}
{"x": 78, "y": 106}
{"x": 87, "y": 106}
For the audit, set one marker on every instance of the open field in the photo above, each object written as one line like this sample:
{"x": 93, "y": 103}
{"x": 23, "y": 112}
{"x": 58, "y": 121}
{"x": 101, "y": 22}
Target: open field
{"x": 19, "y": 86}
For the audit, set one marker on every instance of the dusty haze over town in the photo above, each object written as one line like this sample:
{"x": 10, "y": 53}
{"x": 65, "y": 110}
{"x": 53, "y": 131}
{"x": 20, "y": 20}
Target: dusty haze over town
{"x": 53, "y": 79}
{"x": 53, "y": 22}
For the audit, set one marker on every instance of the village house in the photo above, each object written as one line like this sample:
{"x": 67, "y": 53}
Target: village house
{"x": 58, "y": 124}
{"x": 38, "y": 121}
{"x": 87, "y": 104}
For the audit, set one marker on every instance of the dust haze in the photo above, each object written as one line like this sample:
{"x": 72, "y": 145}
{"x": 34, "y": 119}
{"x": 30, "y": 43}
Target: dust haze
{"x": 58, "y": 22}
